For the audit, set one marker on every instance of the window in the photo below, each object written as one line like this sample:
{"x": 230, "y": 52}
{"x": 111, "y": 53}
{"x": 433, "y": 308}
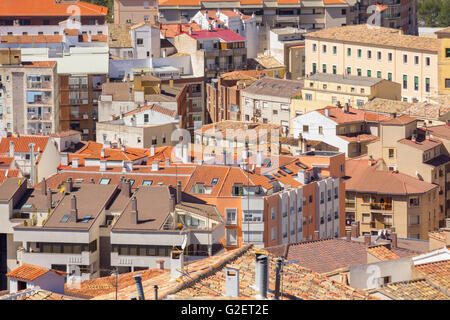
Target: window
{"x": 140, "y": 41}
{"x": 447, "y": 52}
{"x": 214, "y": 181}
{"x": 146, "y": 117}
{"x": 405, "y": 82}
{"x": 359, "y": 71}
{"x": 447, "y": 83}
{"x": 314, "y": 68}
{"x": 273, "y": 213}
{"x": 359, "y": 53}
{"x": 416, "y": 83}
{"x": 414, "y": 201}
{"x": 389, "y": 76}
{"x": 427, "y": 61}
{"x": 369, "y": 54}
{"x": 308, "y": 96}
{"x": 231, "y": 216}
{"x": 320, "y": 130}
{"x": 366, "y": 218}
{"x": 273, "y": 233}
{"x": 416, "y": 60}
{"x": 147, "y": 182}
{"x": 379, "y": 55}
{"x": 427, "y": 84}
{"x": 349, "y": 70}
{"x": 391, "y": 153}
{"x": 390, "y": 56}
{"x": 334, "y": 50}
{"x": 336, "y": 192}
{"x": 405, "y": 58}
{"x": 369, "y": 73}
{"x": 324, "y": 48}
{"x": 306, "y": 129}
{"x": 104, "y": 181}
{"x": 314, "y": 47}
{"x": 379, "y": 74}
{"x": 324, "y": 68}
{"x": 349, "y": 52}
{"x": 334, "y": 70}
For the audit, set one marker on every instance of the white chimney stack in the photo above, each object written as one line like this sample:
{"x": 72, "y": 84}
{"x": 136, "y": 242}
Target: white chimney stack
{"x": 155, "y": 166}
{"x": 232, "y": 282}
{"x": 102, "y": 153}
{"x": 74, "y": 162}
{"x": 11, "y": 148}
{"x": 176, "y": 262}
{"x": 259, "y": 158}
{"x": 64, "y": 159}
{"x": 102, "y": 165}
{"x": 152, "y": 151}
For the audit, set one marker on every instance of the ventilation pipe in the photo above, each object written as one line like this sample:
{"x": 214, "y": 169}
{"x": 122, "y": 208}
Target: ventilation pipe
{"x": 134, "y": 212}
{"x": 232, "y": 282}
{"x": 11, "y": 148}
{"x": 73, "y": 209}
{"x": 262, "y": 275}
{"x": 44, "y": 187}
{"x": 140, "y": 289}
{"x": 179, "y": 194}
{"x": 31, "y": 145}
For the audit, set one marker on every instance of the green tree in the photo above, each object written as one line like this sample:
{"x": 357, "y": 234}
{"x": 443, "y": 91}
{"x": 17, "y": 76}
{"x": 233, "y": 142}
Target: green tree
{"x": 429, "y": 11}
{"x": 105, "y": 3}
{"x": 444, "y": 14}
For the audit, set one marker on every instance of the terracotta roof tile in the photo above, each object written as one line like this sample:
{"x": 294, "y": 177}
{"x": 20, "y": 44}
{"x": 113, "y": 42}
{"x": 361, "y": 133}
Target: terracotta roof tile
{"x": 437, "y": 273}
{"x": 49, "y": 8}
{"x": 382, "y": 253}
{"x": 339, "y": 115}
{"x": 419, "y": 289}
{"x": 30, "y": 272}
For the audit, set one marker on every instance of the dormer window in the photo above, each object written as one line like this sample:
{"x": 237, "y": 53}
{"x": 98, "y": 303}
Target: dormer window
{"x": 104, "y": 181}
{"x": 147, "y": 182}
{"x": 214, "y": 181}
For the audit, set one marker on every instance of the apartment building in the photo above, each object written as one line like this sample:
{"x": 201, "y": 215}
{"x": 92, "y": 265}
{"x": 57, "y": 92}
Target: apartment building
{"x": 349, "y": 129}
{"x": 29, "y": 98}
{"x": 418, "y": 152}
{"x": 313, "y": 15}
{"x": 154, "y": 221}
{"x": 268, "y": 100}
{"x": 223, "y": 96}
{"x": 326, "y": 89}
{"x": 49, "y": 13}
{"x": 287, "y": 46}
{"x": 214, "y": 51}
{"x": 135, "y": 11}
{"x": 234, "y": 20}
{"x": 444, "y": 60}
{"x": 381, "y": 199}
{"x": 150, "y": 125}
{"x": 402, "y": 14}
{"x": 379, "y": 53}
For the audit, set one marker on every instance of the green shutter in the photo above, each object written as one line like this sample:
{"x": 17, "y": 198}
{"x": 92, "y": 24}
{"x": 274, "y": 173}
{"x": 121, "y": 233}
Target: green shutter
{"x": 349, "y": 70}
{"x": 427, "y": 80}
{"x": 390, "y": 76}
{"x": 379, "y": 74}
{"x": 369, "y": 73}
{"x": 416, "y": 79}
{"x": 349, "y": 52}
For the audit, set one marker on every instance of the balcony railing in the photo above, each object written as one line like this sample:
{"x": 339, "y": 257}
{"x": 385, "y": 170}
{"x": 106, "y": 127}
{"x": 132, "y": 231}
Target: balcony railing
{"x": 39, "y": 85}
{"x": 381, "y": 206}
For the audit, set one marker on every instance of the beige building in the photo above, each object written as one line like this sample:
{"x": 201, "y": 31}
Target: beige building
{"x": 377, "y": 52}
{"x": 135, "y": 11}
{"x": 381, "y": 199}
{"x": 420, "y": 153}
{"x": 29, "y": 97}
{"x": 268, "y": 100}
{"x": 144, "y": 127}
{"x": 444, "y": 60}
{"x": 323, "y": 89}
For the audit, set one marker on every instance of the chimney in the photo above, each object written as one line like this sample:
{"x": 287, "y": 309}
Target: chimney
{"x": 134, "y": 212}
{"x": 244, "y": 154}
{"x": 348, "y": 234}
{"x": 394, "y": 243}
{"x": 367, "y": 239}
{"x": 261, "y": 275}
{"x": 64, "y": 159}
{"x": 190, "y": 30}
{"x": 32, "y": 163}
{"x": 327, "y": 112}
{"x": 126, "y": 185}
{"x": 152, "y": 151}
{"x": 278, "y": 269}
{"x": 316, "y": 235}
{"x": 347, "y": 108}
{"x": 139, "y": 288}
{"x": 180, "y": 29}
{"x": 11, "y": 148}
{"x": 49, "y": 199}
{"x": 102, "y": 153}
{"x": 74, "y": 162}
{"x": 179, "y": 194}
{"x": 176, "y": 262}
{"x": 427, "y": 135}
{"x": 73, "y": 209}
{"x": 160, "y": 264}
{"x": 304, "y": 147}
{"x": 355, "y": 230}
{"x": 155, "y": 288}
{"x": 394, "y": 115}
{"x": 69, "y": 185}
{"x": 171, "y": 83}
{"x": 232, "y": 282}
{"x": 44, "y": 187}
{"x": 155, "y": 165}
{"x": 102, "y": 165}
{"x": 447, "y": 223}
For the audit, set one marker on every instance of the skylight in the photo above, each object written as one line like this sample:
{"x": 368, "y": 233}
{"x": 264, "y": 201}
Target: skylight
{"x": 214, "y": 181}
{"x": 286, "y": 170}
{"x": 86, "y": 219}
{"x": 270, "y": 177}
{"x": 147, "y": 182}
{"x": 131, "y": 182}
{"x": 104, "y": 181}
{"x": 65, "y": 218}
{"x": 301, "y": 165}
{"x": 26, "y": 206}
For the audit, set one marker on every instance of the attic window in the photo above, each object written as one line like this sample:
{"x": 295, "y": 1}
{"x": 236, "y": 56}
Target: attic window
{"x": 269, "y": 177}
{"x": 147, "y": 182}
{"x": 104, "y": 181}
{"x": 286, "y": 170}
{"x": 65, "y": 218}
{"x": 214, "y": 181}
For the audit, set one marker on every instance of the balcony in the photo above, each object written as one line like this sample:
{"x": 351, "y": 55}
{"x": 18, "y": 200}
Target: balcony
{"x": 38, "y": 85}
{"x": 382, "y": 206}
{"x": 78, "y": 101}
{"x": 376, "y": 224}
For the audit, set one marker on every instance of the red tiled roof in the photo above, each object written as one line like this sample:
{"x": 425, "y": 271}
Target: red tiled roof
{"x": 382, "y": 253}
{"x": 437, "y": 273}
{"x": 11, "y": 174}
{"x": 31, "y": 39}
{"x": 21, "y": 143}
{"x": 66, "y": 133}
{"x": 365, "y": 178}
{"x": 172, "y": 30}
{"x": 30, "y": 272}
{"x": 339, "y": 115}
{"x": 39, "y": 64}
{"x": 12, "y": 8}
{"x": 424, "y": 145}
{"x": 154, "y": 107}
{"x": 401, "y": 120}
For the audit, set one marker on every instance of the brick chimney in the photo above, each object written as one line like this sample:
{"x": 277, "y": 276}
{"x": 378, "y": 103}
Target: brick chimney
{"x": 394, "y": 243}
{"x": 73, "y": 209}
{"x": 179, "y": 197}
{"x": 49, "y": 199}
{"x": 316, "y": 235}
{"x": 367, "y": 239}
{"x": 126, "y": 188}
{"x": 355, "y": 229}
{"x": 134, "y": 212}
{"x": 160, "y": 264}
{"x": 44, "y": 187}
